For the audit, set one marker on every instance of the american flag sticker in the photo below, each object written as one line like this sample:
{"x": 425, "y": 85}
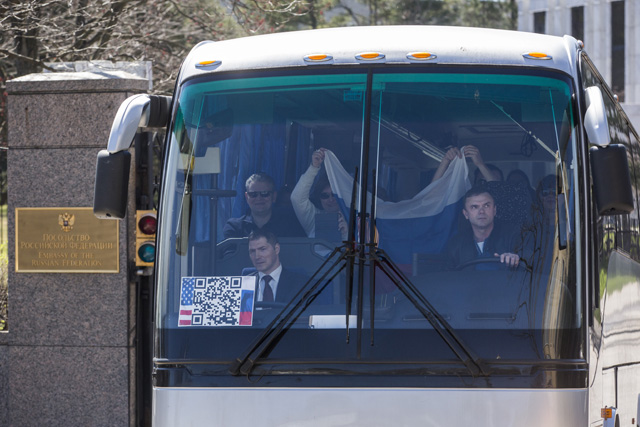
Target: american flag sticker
{"x": 217, "y": 301}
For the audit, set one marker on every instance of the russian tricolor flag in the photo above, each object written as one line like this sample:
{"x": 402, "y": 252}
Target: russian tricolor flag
{"x": 422, "y": 224}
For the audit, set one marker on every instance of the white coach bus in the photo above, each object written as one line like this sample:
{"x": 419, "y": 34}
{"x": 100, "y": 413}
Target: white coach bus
{"x": 365, "y": 141}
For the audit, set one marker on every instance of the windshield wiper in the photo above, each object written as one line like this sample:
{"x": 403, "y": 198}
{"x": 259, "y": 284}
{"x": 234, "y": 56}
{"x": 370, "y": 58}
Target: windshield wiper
{"x": 378, "y": 258}
{"x": 344, "y": 258}
{"x": 473, "y": 363}
{"x": 351, "y": 246}
{"x": 305, "y": 296}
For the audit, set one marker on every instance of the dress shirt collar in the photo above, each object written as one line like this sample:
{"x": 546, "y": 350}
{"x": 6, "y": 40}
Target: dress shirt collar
{"x": 275, "y": 280}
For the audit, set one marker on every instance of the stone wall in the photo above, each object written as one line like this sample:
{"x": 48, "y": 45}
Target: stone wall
{"x": 68, "y": 357}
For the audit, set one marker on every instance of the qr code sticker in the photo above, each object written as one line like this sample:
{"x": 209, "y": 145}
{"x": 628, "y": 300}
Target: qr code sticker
{"x": 216, "y": 301}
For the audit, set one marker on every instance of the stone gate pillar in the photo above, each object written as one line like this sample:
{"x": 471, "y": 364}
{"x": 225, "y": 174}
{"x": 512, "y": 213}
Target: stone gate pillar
{"x": 68, "y": 358}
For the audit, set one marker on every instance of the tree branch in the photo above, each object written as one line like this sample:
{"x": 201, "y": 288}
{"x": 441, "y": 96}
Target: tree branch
{"x": 26, "y": 58}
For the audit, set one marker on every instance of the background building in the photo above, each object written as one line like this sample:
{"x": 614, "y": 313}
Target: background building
{"x": 610, "y": 30}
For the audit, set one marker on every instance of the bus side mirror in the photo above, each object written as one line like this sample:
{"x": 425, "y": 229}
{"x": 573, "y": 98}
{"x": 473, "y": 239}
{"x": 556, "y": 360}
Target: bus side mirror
{"x": 595, "y": 119}
{"x": 611, "y": 179}
{"x": 135, "y": 112}
{"x": 112, "y": 184}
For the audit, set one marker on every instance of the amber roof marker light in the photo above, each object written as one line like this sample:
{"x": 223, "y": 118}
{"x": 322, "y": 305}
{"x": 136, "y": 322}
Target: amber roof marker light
{"x": 537, "y": 55}
{"x": 315, "y": 58}
{"x": 206, "y": 64}
{"x": 421, "y": 56}
{"x": 370, "y": 56}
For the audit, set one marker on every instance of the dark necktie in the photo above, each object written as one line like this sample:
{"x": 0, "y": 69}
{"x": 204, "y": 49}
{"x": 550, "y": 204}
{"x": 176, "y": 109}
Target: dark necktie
{"x": 267, "y": 294}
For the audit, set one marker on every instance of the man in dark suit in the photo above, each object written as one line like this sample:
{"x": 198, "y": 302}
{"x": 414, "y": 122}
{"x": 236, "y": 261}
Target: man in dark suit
{"x": 275, "y": 283}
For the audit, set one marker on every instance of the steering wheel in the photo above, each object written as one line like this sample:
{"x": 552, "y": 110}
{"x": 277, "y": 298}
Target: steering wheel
{"x": 495, "y": 260}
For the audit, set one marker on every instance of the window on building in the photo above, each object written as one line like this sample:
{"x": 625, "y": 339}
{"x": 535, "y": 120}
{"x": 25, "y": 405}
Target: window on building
{"x": 577, "y": 22}
{"x": 617, "y": 48}
{"x": 540, "y": 22}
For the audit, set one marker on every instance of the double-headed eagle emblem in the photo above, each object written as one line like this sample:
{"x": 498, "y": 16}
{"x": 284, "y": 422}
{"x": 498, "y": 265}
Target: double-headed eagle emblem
{"x": 66, "y": 221}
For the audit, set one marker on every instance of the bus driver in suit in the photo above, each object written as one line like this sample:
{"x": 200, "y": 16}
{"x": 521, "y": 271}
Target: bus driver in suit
{"x": 275, "y": 283}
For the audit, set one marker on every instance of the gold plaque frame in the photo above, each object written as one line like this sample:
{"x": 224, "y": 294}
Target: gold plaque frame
{"x": 65, "y": 240}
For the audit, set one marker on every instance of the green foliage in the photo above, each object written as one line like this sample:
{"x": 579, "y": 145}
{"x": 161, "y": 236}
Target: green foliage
{"x": 469, "y": 13}
{"x": 488, "y": 14}
{"x": 307, "y": 14}
{"x": 415, "y": 12}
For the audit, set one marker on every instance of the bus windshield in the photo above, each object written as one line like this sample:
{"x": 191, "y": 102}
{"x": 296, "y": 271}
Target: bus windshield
{"x": 432, "y": 210}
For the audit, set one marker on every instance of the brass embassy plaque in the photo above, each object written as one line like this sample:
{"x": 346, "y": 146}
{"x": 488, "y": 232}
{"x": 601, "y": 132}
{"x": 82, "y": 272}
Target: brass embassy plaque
{"x": 65, "y": 240}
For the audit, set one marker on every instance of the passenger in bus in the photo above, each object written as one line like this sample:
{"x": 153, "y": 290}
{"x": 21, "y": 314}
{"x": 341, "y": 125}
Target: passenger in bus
{"x": 260, "y": 195}
{"x": 543, "y": 228}
{"x": 518, "y": 178}
{"x": 275, "y": 283}
{"x": 544, "y": 210}
{"x": 306, "y": 210}
{"x": 494, "y": 175}
{"x": 484, "y": 238}
{"x": 513, "y": 198}
{"x": 546, "y": 193}
{"x": 483, "y": 172}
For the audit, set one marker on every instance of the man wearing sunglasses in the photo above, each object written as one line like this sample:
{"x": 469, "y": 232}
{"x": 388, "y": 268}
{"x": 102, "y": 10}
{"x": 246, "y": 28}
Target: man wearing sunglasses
{"x": 261, "y": 196}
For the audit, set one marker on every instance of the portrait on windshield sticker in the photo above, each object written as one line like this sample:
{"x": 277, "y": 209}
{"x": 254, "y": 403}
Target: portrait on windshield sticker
{"x": 217, "y": 301}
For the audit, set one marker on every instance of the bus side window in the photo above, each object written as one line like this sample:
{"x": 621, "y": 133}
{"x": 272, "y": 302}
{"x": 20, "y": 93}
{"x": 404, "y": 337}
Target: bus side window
{"x": 619, "y": 134}
{"x": 634, "y": 162}
{"x": 605, "y": 228}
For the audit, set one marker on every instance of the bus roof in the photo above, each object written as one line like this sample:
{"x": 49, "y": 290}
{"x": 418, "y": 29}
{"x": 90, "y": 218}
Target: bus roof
{"x": 447, "y": 45}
